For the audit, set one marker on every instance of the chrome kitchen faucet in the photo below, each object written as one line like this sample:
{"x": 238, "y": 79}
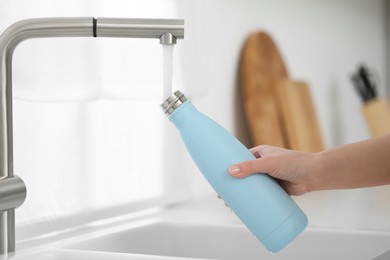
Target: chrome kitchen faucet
{"x": 12, "y": 188}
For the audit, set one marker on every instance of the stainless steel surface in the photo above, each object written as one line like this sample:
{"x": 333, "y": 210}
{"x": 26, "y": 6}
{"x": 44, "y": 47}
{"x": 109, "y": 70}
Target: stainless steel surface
{"x": 12, "y": 193}
{"x": 11, "y": 186}
{"x": 139, "y": 28}
{"x": 173, "y": 102}
{"x": 7, "y": 231}
{"x": 167, "y": 38}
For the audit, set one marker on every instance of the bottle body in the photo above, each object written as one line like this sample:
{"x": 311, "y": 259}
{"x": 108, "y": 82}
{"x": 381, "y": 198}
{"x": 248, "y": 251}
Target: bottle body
{"x": 258, "y": 200}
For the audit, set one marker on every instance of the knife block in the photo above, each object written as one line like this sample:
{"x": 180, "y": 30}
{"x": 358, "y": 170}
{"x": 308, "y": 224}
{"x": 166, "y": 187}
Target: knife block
{"x": 377, "y": 115}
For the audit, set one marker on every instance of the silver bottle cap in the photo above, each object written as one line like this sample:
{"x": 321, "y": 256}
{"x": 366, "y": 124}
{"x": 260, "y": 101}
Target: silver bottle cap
{"x": 172, "y": 102}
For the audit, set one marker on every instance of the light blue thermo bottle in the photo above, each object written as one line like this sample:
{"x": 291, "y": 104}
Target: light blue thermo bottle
{"x": 258, "y": 200}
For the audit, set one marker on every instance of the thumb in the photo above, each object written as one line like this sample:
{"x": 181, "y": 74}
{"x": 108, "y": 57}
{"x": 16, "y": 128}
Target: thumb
{"x": 244, "y": 169}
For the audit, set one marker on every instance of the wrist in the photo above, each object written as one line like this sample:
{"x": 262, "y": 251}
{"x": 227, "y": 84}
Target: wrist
{"x": 315, "y": 171}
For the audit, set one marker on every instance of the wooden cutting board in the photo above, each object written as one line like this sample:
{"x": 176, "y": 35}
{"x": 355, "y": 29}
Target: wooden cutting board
{"x": 301, "y": 128}
{"x": 261, "y": 66}
{"x": 279, "y": 111}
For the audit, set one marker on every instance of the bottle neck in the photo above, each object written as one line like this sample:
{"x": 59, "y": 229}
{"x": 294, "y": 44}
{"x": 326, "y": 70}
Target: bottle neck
{"x": 173, "y": 102}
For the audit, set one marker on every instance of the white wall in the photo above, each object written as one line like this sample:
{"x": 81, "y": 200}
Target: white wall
{"x": 322, "y": 42}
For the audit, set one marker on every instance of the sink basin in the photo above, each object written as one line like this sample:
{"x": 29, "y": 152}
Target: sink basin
{"x": 162, "y": 239}
{"x": 61, "y": 254}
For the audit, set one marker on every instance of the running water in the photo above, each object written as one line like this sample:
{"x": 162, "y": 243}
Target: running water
{"x": 167, "y": 69}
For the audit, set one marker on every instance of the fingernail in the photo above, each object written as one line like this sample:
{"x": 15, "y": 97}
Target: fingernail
{"x": 234, "y": 170}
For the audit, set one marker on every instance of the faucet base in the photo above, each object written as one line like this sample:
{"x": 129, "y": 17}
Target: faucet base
{"x": 7, "y": 226}
{"x": 12, "y": 195}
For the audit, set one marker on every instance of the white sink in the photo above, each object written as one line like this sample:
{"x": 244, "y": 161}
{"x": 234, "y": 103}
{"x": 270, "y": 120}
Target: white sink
{"x": 64, "y": 254}
{"x": 197, "y": 230}
{"x": 164, "y": 240}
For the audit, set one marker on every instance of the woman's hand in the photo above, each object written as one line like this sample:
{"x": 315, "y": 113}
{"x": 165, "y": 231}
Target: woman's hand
{"x": 356, "y": 165}
{"x": 290, "y": 168}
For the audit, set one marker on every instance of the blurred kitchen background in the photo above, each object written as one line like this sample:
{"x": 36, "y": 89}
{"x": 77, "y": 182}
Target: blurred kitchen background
{"x": 88, "y": 131}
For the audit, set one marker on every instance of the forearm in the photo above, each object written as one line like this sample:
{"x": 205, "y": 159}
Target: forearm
{"x": 361, "y": 164}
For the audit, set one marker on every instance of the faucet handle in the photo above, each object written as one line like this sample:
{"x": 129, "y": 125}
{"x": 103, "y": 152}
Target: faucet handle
{"x": 12, "y": 193}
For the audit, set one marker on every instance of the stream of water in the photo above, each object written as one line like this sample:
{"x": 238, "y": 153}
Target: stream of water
{"x": 167, "y": 69}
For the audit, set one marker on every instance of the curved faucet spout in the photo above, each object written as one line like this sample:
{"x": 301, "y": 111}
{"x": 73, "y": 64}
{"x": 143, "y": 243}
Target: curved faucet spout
{"x": 167, "y": 30}
{"x": 16, "y": 33}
